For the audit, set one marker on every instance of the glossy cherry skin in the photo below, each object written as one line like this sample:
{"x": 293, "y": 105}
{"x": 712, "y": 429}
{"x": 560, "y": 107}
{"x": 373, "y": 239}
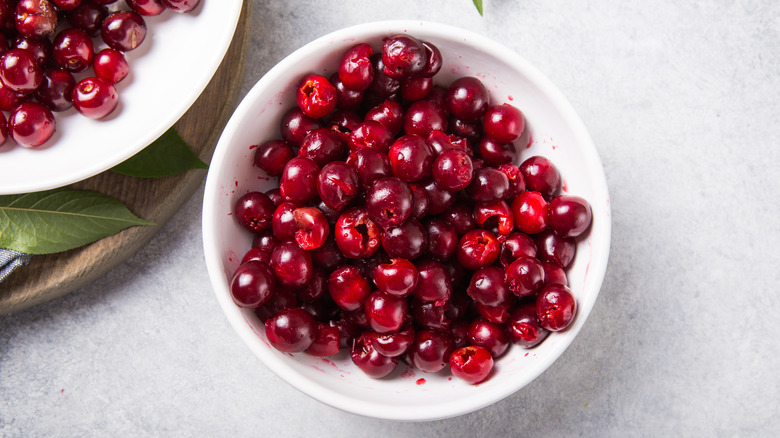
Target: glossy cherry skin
{"x": 181, "y": 6}
{"x": 298, "y": 182}
{"x": 541, "y": 176}
{"x": 516, "y": 180}
{"x": 312, "y": 227}
{"x": 88, "y": 16}
{"x": 403, "y": 56}
{"x": 295, "y": 125}
{"x": 56, "y": 90}
{"x": 254, "y": 211}
{"x": 553, "y": 248}
{"x": 369, "y": 360}
{"x": 496, "y": 314}
{"x": 370, "y": 165}
{"x": 31, "y": 124}
{"x": 338, "y": 185}
{"x": 386, "y": 313}
{"x": 390, "y": 113}
{"x": 431, "y": 315}
{"x": 496, "y": 215}
{"x": 525, "y": 276}
{"x": 372, "y": 135}
{"x": 472, "y": 364}
{"x": 478, "y": 249}
{"x": 410, "y": 158}
{"x": 434, "y": 63}
{"x": 389, "y": 202}
{"x": 439, "y": 200}
{"x": 430, "y": 350}
{"x": 3, "y": 129}
{"x": 503, "y": 123}
{"x": 416, "y": 88}
{"x": 423, "y": 117}
{"x": 272, "y": 156}
{"x": 569, "y": 216}
{"x": 316, "y": 289}
{"x": 356, "y": 235}
{"x": 73, "y": 50}
{"x": 316, "y": 96}
{"x": 147, "y": 7}
{"x": 346, "y": 99}
{"x": 467, "y": 98}
{"x": 283, "y": 221}
{"x": 94, "y": 97}
{"x": 19, "y": 71}
{"x": 291, "y": 264}
{"x": 453, "y": 170}
{"x": 461, "y": 218}
{"x": 495, "y": 153}
{"x": 326, "y": 341}
{"x": 36, "y": 18}
{"x": 323, "y": 146}
{"x": 407, "y": 241}
{"x": 442, "y": 239}
{"x": 355, "y": 69}
{"x": 328, "y": 256}
{"x": 252, "y": 285}
{"x": 554, "y": 274}
{"x": 66, "y": 5}
{"x": 420, "y": 201}
{"x": 123, "y": 30}
{"x": 397, "y": 278}
{"x": 530, "y": 212}
{"x": 348, "y": 288}
{"x": 516, "y": 245}
{"x": 488, "y": 185}
{"x": 556, "y": 307}
{"x": 434, "y": 282}
{"x": 39, "y": 47}
{"x": 392, "y": 344}
{"x": 524, "y": 327}
{"x": 487, "y": 287}
{"x": 280, "y": 300}
{"x": 111, "y": 65}
{"x": 489, "y": 335}
{"x": 342, "y": 122}
{"x": 291, "y": 330}
{"x": 265, "y": 242}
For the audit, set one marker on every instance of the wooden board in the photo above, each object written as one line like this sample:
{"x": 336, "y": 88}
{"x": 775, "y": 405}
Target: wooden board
{"x": 50, "y": 276}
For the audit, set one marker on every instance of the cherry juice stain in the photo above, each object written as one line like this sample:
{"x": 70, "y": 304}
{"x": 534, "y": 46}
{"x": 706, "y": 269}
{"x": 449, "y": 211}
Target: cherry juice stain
{"x": 420, "y": 381}
{"x": 530, "y": 140}
{"x": 510, "y": 98}
{"x": 253, "y": 146}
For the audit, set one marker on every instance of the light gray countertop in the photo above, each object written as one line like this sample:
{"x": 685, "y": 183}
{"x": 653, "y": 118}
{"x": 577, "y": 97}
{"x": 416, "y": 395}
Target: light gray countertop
{"x": 681, "y": 99}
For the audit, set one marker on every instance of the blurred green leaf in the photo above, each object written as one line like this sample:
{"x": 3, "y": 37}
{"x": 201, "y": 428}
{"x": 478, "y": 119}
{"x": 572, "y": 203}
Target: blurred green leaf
{"x": 478, "y": 4}
{"x": 168, "y": 155}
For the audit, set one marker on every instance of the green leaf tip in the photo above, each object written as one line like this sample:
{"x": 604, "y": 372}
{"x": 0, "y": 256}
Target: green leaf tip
{"x": 167, "y": 156}
{"x": 62, "y": 219}
{"x": 478, "y": 4}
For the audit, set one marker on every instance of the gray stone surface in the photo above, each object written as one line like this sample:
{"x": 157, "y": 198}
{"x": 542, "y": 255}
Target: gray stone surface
{"x": 681, "y": 99}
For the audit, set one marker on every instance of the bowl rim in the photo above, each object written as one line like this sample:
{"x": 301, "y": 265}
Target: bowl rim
{"x": 597, "y": 267}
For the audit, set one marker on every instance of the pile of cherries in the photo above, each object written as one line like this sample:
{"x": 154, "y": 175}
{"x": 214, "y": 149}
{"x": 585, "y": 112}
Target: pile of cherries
{"x": 44, "y": 43}
{"x": 402, "y": 229}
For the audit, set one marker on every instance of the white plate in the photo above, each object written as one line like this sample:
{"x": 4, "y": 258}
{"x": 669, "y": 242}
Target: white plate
{"x": 168, "y": 72}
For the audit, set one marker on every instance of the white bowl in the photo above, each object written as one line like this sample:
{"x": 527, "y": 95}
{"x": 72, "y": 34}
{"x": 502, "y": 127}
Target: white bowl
{"x": 554, "y": 130}
{"x": 168, "y": 71}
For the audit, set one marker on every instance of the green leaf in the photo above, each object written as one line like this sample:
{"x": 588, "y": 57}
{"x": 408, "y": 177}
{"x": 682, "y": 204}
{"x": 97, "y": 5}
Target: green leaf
{"x": 166, "y": 156}
{"x": 478, "y": 4}
{"x": 59, "y": 220}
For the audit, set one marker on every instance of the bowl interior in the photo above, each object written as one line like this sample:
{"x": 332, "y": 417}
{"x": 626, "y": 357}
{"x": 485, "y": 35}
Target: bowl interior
{"x": 553, "y": 130}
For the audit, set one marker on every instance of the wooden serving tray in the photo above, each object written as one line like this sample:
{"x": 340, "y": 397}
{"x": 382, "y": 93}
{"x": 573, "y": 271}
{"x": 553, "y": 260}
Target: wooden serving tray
{"x": 50, "y": 276}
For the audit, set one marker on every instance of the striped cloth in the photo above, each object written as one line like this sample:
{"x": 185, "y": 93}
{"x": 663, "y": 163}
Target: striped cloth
{"x": 10, "y": 260}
